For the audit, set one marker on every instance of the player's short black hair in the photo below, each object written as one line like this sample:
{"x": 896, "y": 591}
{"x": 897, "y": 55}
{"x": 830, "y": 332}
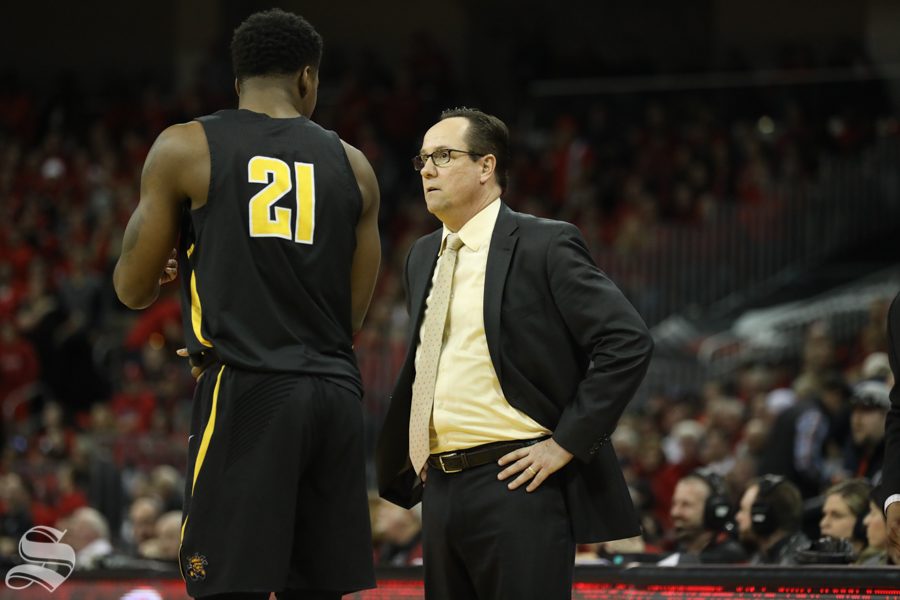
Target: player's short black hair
{"x": 486, "y": 135}
{"x": 274, "y": 42}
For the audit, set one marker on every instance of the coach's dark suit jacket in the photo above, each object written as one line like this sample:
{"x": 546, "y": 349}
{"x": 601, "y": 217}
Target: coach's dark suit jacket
{"x": 569, "y": 351}
{"x": 890, "y": 473}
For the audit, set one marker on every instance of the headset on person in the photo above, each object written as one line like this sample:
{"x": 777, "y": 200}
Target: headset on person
{"x": 859, "y": 528}
{"x": 718, "y": 512}
{"x": 763, "y": 518}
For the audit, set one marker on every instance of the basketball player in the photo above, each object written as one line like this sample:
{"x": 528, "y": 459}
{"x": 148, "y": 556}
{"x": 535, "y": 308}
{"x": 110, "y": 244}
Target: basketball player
{"x": 275, "y": 221}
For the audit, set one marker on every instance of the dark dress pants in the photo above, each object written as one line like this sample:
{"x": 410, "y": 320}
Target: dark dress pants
{"x": 483, "y": 541}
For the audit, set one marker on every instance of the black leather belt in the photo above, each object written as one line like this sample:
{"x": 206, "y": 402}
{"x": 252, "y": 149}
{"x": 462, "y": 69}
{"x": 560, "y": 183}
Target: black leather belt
{"x": 460, "y": 460}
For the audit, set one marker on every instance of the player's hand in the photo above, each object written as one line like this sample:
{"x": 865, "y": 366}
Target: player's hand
{"x": 196, "y": 372}
{"x": 533, "y": 464}
{"x": 170, "y": 272}
{"x": 892, "y": 524}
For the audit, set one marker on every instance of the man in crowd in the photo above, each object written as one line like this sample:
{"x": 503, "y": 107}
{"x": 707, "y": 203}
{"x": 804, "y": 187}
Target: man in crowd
{"x": 88, "y": 534}
{"x": 701, "y": 516}
{"x": 869, "y": 403}
{"x": 801, "y": 434}
{"x": 142, "y": 516}
{"x": 769, "y": 519}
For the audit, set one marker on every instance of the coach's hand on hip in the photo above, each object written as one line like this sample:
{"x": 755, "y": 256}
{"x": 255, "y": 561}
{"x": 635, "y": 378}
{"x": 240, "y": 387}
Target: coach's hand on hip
{"x": 533, "y": 463}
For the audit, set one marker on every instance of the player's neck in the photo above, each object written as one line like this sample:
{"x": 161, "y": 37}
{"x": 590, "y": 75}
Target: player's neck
{"x": 273, "y": 101}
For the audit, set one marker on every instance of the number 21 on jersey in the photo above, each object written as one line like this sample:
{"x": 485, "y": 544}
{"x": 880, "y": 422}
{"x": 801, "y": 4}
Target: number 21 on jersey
{"x": 268, "y": 220}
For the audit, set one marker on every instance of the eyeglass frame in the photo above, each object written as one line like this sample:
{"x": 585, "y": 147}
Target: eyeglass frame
{"x": 424, "y": 157}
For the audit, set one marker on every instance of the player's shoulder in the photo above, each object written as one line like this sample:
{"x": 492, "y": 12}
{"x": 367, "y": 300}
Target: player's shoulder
{"x": 182, "y": 140}
{"x": 360, "y": 165}
{"x": 187, "y": 129}
{"x": 354, "y": 154}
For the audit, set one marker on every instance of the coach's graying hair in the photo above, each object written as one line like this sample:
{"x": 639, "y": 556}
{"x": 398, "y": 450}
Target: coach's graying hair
{"x": 486, "y": 135}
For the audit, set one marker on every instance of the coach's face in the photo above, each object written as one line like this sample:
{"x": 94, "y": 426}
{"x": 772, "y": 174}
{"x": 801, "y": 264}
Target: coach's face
{"x": 452, "y": 190}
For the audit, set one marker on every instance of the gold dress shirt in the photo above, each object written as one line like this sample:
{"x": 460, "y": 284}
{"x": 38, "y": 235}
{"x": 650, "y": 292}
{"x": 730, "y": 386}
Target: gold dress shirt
{"x": 469, "y": 406}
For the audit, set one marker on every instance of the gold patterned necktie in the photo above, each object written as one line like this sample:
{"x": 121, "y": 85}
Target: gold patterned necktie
{"x": 431, "y": 340}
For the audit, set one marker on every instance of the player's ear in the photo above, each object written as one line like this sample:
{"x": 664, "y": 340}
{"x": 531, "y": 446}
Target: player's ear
{"x": 237, "y": 86}
{"x": 306, "y": 81}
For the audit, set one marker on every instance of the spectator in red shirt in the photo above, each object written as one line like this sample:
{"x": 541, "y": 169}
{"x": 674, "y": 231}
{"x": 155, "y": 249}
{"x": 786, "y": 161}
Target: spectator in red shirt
{"x": 18, "y": 369}
{"x": 133, "y": 407}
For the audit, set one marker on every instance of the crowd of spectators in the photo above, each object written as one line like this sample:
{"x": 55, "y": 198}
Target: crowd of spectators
{"x": 95, "y": 405}
{"x": 819, "y": 427}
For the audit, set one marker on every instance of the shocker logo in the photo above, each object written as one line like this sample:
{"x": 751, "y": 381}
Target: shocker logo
{"x": 196, "y": 567}
{"x": 41, "y": 549}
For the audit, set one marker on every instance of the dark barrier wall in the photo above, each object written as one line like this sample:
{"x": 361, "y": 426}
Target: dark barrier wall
{"x": 167, "y": 36}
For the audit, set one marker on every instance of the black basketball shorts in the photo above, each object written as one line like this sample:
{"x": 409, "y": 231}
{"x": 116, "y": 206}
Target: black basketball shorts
{"x": 275, "y": 494}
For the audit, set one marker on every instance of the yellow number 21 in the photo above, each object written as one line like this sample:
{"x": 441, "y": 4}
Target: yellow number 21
{"x": 267, "y": 220}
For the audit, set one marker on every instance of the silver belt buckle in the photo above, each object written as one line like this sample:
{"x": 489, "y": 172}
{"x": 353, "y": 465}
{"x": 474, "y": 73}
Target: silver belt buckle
{"x": 445, "y": 469}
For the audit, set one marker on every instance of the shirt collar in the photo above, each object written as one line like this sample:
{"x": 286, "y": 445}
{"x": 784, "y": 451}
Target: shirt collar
{"x": 478, "y": 230}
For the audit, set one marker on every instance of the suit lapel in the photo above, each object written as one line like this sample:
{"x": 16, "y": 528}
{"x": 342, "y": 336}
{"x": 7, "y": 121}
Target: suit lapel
{"x": 421, "y": 270}
{"x": 503, "y": 242}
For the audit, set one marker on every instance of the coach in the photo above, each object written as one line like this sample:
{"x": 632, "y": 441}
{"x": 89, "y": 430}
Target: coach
{"x": 522, "y": 357}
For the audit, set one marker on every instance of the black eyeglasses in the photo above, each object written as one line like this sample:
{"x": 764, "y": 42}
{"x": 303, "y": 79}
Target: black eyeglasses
{"x": 439, "y": 157}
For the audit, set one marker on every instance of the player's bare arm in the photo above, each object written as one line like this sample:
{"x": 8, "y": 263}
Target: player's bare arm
{"x": 176, "y": 169}
{"x": 367, "y": 257}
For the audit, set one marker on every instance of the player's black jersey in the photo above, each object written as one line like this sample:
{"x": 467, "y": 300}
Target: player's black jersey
{"x": 266, "y": 263}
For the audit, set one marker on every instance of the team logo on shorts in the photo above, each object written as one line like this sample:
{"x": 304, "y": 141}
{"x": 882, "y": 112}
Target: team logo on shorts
{"x": 196, "y": 567}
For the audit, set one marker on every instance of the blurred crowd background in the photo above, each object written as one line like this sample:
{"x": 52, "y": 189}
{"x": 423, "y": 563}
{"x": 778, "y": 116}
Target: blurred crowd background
{"x": 736, "y": 175}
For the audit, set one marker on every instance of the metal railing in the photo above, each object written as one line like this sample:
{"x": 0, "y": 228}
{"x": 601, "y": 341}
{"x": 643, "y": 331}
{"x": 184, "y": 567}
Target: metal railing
{"x": 778, "y": 333}
{"x": 688, "y": 269}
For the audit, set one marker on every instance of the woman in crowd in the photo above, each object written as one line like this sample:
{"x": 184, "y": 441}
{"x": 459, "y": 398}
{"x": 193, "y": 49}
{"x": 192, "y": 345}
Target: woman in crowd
{"x": 846, "y": 506}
